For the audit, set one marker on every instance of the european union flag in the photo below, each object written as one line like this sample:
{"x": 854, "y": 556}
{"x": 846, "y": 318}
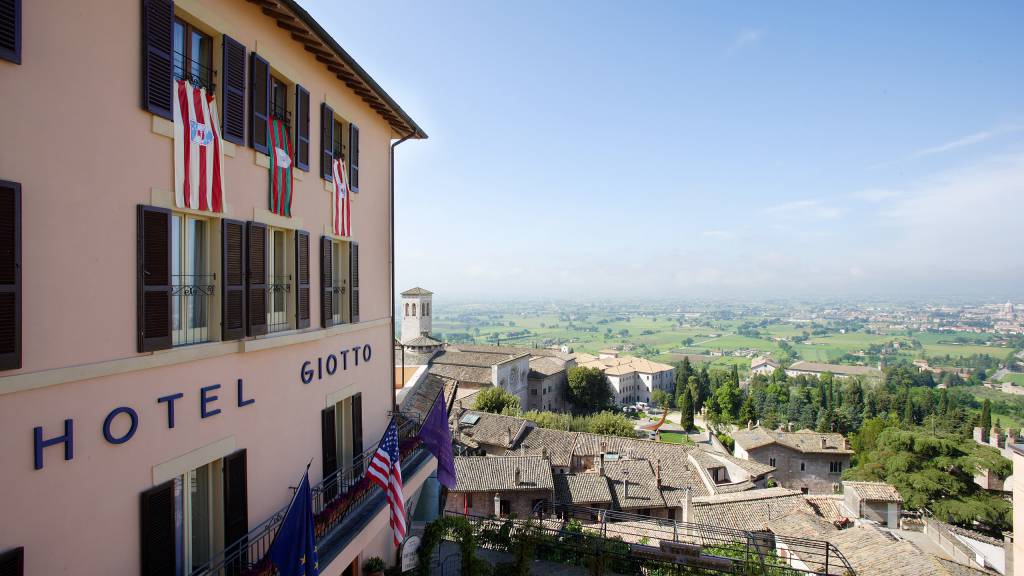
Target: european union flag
{"x": 294, "y": 549}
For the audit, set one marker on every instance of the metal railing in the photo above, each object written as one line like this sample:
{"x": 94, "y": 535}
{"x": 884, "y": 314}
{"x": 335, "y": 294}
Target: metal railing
{"x": 196, "y": 73}
{"x": 191, "y": 296}
{"x": 282, "y": 113}
{"x": 278, "y": 288}
{"x": 753, "y": 549}
{"x": 334, "y": 500}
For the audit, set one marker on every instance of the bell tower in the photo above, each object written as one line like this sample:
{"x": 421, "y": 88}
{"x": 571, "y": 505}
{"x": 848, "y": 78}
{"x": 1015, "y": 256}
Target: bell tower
{"x": 416, "y": 313}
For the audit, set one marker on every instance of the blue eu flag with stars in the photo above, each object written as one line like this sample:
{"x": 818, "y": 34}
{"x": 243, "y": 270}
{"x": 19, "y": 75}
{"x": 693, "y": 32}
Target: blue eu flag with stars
{"x": 294, "y": 549}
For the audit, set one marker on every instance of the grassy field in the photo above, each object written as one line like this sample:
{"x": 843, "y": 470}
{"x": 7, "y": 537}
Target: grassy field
{"x": 675, "y": 438}
{"x": 1006, "y": 420}
{"x": 1017, "y": 379}
{"x": 662, "y": 337}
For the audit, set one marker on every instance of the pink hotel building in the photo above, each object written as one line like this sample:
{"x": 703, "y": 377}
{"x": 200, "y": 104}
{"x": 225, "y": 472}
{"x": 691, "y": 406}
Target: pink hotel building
{"x": 166, "y": 373}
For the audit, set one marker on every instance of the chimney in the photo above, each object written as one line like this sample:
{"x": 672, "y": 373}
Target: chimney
{"x": 509, "y": 435}
{"x": 625, "y": 484}
{"x": 846, "y": 444}
{"x": 657, "y": 472}
{"x": 543, "y": 451}
{"x": 518, "y": 478}
{"x": 600, "y": 463}
{"x": 993, "y": 437}
{"x": 497, "y": 504}
{"x": 1011, "y": 437}
{"x": 750, "y": 424}
{"x": 604, "y": 447}
{"x": 824, "y": 442}
{"x": 687, "y": 505}
{"x": 789, "y": 426}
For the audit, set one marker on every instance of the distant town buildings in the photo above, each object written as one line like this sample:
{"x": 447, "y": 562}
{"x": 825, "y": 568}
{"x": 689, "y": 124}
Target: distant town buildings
{"x": 417, "y": 321}
{"x": 809, "y": 461}
{"x": 633, "y": 379}
{"x": 762, "y": 365}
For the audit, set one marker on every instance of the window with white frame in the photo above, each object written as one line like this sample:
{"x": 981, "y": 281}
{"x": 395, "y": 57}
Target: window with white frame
{"x": 192, "y": 279}
{"x": 280, "y": 264}
{"x": 202, "y": 508}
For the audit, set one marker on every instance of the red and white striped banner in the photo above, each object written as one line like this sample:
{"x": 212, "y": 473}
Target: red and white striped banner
{"x": 342, "y": 217}
{"x": 198, "y": 152}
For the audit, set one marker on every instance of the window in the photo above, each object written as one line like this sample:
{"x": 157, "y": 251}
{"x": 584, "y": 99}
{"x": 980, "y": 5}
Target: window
{"x": 771, "y": 462}
{"x": 192, "y": 287}
{"x": 336, "y": 282}
{"x": 803, "y": 466}
{"x": 406, "y": 308}
{"x": 342, "y": 443}
{"x": 279, "y": 99}
{"x": 10, "y": 31}
{"x": 835, "y": 467}
{"x": 190, "y": 519}
{"x": 469, "y": 500}
{"x": 279, "y": 279}
{"x": 414, "y": 309}
{"x": 193, "y": 55}
{"x": 10, "y": 275}
{"x": 338, "y": 140}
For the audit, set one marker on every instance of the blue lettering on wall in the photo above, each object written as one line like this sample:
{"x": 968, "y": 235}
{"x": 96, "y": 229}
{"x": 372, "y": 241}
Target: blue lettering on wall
{"x": 329, "y": 363}
{"x": 67, "y": 439}
{"x": 205, "y": 398}
{"x": 332, "y": 364}
{"x": 366, "y": 353}
{"x": 356, "y": 355}
{"x": 134, "y": 419}
{"x": 242, "y": 402}
{"x": 306, "y": 373}
{"x": 170, "y": 406}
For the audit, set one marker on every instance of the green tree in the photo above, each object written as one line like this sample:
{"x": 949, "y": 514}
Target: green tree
{"x": 497, "y": 401}
{"x": 588, "y": 390}
{"x": 986, "y": 416}
{"x": 659, "y": 398}
{"x": 728, "y": 397}
{"x": 686, "y": 409}
{"x": 747, "y": 411}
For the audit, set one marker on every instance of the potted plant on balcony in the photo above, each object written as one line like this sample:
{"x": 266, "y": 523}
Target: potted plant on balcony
{"x": 374, "y": 566}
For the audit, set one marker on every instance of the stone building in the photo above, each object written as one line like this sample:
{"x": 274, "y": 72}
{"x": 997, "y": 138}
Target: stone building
{"x": 876, "y": 501}
{"x": 809, "y": 461}
{"x": 500, "y": 485}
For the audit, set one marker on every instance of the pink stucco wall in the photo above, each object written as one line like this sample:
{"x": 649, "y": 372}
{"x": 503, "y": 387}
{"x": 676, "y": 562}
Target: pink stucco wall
{"x": 86, "y": 155}
{"x": 83, "y": 149}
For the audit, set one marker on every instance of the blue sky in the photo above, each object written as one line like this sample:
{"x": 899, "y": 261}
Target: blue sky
{"x": 696, "y": 149}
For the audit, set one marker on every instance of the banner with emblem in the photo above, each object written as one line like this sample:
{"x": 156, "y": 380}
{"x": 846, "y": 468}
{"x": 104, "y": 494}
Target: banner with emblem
{"x": 198, "y": 151}
{"x": 280, "y": 168}
{"x": 342, "y": 217}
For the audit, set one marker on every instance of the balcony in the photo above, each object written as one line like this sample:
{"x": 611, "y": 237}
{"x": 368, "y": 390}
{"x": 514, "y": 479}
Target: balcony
{"x": 191, "y": 296}
{"x": 281, "y": 112}
{"x": 343, "y": 504}
{"x": 197, "y": 74}
{"x": 278, "y": 289}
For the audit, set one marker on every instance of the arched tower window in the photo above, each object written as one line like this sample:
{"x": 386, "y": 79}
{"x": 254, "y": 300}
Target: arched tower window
{"x": 413, "y": 308}
{"x": 406, "y": 308}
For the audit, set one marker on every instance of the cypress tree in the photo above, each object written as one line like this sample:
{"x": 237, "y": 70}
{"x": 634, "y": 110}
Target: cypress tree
{"x": 986, "y": 416}
{"x": 908, "y": 413}
{"x": 686, "y": 408}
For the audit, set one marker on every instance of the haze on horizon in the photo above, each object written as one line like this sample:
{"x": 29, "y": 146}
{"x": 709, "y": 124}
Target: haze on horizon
{"x": 699, "y": 149}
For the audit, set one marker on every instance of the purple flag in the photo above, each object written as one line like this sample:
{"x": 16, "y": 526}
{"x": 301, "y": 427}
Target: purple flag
{"x": 438, "y": 439}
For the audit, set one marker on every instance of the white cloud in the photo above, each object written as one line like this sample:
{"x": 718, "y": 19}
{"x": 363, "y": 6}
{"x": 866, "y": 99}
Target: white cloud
{"x": 969, "y": 140}
{"x": 720, "y": 234}
{"x": 876, "y": 195}
{"x": 744, "y": 38}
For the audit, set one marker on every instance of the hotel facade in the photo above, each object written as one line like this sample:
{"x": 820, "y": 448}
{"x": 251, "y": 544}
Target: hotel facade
{"x": 167, "y": 373}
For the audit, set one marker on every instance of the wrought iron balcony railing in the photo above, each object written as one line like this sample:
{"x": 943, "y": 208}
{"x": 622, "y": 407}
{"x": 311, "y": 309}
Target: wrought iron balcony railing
{"x": 339, "y": 501}
{"x": 196, "y": 73}
{"x": 191, "y": 296}
{"x": 282, "y": 113}
{"x": 278, "y": 288}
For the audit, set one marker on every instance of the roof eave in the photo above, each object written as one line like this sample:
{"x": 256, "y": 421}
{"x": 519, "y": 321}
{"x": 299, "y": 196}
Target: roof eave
{"x": 414, "y": 129}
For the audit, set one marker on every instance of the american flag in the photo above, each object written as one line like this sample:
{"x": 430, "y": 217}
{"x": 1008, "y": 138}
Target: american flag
{"x": 386, "y": 471}
{"x": 342, "y": 217}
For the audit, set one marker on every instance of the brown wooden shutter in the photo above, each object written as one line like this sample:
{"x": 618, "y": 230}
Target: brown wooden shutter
{"x": 357, "y": 433}
{"x": 328, "y": 449}
{"x": 326, "y": 141}
{"x": 302, "y": 128}
{"x": 236, "y": 511}
{"x": 353, "y": 262}
{"x": 158, "y": 532}
{"x": 256, "y": 278}
{"x": 157, "y": 51}
{"x": 154, "y": 278}
{"x": 302, "y": 279}
{"x": 10, "y": 30}
{"x": 259, "y": 103}
{"x": 232, "y": 259}
{"x": 326, "y": 282}
{"x": 10, "y": 275}
{"x": 233, "y": 105}
{"x": 12, "y": 562}
{"x": 353, "y": 157}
